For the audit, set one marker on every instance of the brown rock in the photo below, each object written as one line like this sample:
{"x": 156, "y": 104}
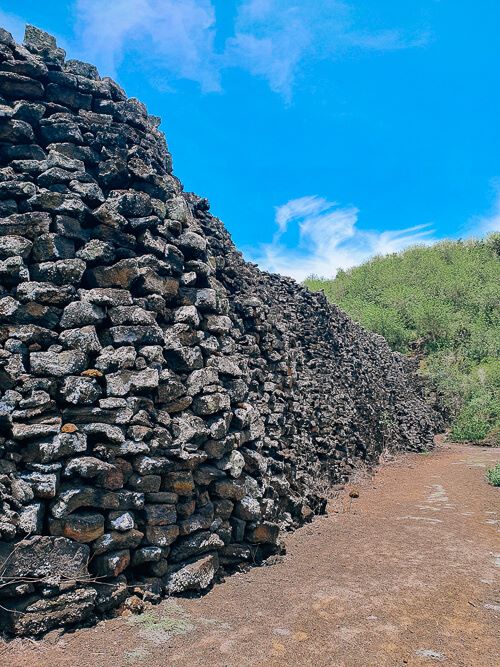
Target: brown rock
{"x": 80, "y": 526}
{"x": 69, "y": 428}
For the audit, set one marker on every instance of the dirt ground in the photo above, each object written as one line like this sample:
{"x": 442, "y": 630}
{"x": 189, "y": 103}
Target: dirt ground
{"x": 407, "y": 574}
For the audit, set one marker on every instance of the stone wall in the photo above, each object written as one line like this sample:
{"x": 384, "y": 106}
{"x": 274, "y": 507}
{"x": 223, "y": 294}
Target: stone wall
{"x": 166, "y": 409}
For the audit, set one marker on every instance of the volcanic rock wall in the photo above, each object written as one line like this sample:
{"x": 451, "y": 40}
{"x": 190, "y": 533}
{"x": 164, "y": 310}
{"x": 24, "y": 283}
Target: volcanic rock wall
{"x": 166, "y": 408}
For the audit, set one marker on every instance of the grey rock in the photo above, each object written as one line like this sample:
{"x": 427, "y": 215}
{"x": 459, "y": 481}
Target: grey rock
{"x": 82, "y": 69}
{"x": 162, "y": 536}
{"x": 61, "y": 446}
{"x": 52, "y": 246}
{"x": 114, "y": 540}
{"x": 96, "y": 251}
{"x": 40, "y": 557}
{"x": 247, "y": 509}
{"x": 32, "y": 616}
{"x": 133, "y": 315}
{"x": 58, "y": 364}
{"x": 60, "y": 132}
{"x": 122, "y": 522}
{"x": 59, "y": 272}
{"x": 44, "y": 485}
{"x": 121, "y": 383}
{"x": 195, "y": 576}
{"x": 81, "y": 313}
{"x": 146, "y": 555}
{"x": 210, "y": 404}
{"x": 112, "y": 359}
{"x": 136, "y": 335}
{"x": 80, "y": 390}
{"x": 27, "y": 225}
{"x": 45, "y": 293}
{"x": 15, "y": 131}
{"x": 194, "y": 545}
{"x": 33, "y": 431}
{"x": 111, "y": 564}
{"x": 233, "y": 463}
{"x": 84, "y": 339}
{"x": 105, "y": 296}
{"x": 44, "y": 45}
{"x": 192, "y": 244}
{"x": 198, "y": 380}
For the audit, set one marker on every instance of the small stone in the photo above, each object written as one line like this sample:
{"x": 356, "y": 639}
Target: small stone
{"x": 93, "y": 373}
{"x": 233, "y": 463}
{"x": 31, "y": 519}
{"x": 122, "y": 522}
{"x": 69, "y": 428}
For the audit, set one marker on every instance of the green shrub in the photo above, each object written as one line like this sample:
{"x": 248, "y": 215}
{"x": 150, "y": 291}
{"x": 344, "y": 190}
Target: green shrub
{"x": 493, "y": 475}
{"x": 442, "y": 301}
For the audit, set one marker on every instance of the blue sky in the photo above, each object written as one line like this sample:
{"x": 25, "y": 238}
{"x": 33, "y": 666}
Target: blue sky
{"x": 321, "y": 131}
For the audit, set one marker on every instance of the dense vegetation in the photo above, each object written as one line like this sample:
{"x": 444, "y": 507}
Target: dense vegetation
{"x": 443, "y": 303}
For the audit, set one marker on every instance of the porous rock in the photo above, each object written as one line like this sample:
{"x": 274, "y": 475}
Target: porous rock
{"x": 166, "y": 409}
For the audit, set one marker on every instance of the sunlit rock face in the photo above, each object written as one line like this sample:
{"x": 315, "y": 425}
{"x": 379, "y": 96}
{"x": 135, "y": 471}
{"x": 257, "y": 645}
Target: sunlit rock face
{"x": 167, "y": 409}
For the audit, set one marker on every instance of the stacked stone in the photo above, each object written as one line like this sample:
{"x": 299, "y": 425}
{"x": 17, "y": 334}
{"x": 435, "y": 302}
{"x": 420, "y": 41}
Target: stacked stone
{"x": 166, "y": 408}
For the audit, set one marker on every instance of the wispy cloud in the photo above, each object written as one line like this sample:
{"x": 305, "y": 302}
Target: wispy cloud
{"x": 176, "y": 39}
{"x": 329, "y": 239}
{"x": 272, "y": 38}
{"x": 485, "y": 224}
{"x": 170, "y": 36}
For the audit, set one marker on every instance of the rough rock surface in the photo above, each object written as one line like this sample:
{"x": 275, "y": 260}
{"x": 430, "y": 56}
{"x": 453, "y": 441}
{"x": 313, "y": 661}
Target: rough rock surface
{"x": 166, "y": 408}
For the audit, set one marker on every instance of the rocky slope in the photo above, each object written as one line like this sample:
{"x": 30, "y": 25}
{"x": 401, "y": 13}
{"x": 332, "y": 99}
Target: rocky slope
{"x": 166, "y": 408}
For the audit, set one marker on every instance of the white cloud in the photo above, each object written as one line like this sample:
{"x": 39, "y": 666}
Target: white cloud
{"x": 273, "y": 38}
{"x": 174, "y": 37}
{"x": 329, "y": 239}
{"x": 485, "y": 224}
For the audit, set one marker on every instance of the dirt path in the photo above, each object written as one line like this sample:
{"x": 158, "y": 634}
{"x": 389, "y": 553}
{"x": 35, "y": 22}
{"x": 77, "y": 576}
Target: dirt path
{"x": 405, "y": 575}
